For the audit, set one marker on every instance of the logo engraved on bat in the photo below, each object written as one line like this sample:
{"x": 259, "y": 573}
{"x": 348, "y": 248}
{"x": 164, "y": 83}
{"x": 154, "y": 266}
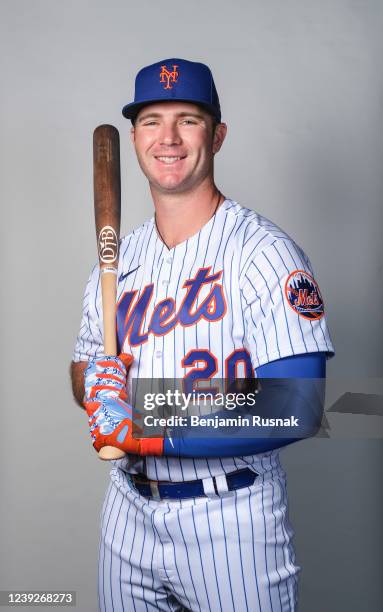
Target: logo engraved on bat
{"x": 107, "y": 245}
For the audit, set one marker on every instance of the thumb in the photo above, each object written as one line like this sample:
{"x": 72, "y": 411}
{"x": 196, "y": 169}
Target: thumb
{"x": 126, "y": 359}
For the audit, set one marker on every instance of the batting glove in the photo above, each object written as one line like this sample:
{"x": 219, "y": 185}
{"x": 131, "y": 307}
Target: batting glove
{"x": 111, "y": 424}
{"x": 110, "y": 416}
{"x": 106, "y": 377}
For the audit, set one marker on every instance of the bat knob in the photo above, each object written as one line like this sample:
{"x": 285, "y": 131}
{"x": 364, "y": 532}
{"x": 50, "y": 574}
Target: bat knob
{"x": 107, "y": 453}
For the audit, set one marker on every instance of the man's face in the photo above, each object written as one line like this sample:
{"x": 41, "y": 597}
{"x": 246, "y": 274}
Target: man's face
{"x": 175, "y": 145}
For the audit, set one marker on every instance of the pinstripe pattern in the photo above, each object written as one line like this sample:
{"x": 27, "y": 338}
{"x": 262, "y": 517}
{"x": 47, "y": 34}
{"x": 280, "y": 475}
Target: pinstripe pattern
{"x": 256, "y": 257}
{"x": 206, "y": 555}
{"x": 232, "y": 552}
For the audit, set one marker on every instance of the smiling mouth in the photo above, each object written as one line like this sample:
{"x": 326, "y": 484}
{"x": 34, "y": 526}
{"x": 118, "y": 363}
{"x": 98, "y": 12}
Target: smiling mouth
{"x": 169, "y": 159}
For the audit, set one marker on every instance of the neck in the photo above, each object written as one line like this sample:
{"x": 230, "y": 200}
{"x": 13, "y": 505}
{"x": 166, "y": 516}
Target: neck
{"x": 180, "y": 216}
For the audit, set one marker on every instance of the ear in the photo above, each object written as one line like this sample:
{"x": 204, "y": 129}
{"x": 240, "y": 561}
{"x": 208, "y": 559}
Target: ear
{"x": 132, "y": 134}
{"x": 219, "y": 136}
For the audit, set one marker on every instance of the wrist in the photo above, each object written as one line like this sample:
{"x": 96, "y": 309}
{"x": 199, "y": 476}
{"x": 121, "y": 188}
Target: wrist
{"x": 152, "y": 446}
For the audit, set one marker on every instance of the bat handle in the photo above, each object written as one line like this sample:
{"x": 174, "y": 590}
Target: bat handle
{"x": 108, "y": 290}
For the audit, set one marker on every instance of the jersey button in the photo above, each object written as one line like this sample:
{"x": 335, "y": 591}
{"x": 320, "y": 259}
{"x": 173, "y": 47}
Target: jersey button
{"x": 158, "y": 354}
{"x": 165, "y": 282}
{"x": 169, "y": 260}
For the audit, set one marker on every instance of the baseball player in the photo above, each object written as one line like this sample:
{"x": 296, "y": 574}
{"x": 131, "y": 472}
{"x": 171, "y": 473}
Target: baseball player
{"x": 206, "y": 289}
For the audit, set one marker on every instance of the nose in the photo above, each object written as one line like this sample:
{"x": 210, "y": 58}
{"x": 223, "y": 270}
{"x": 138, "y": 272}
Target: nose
{"x": 170, "y": 134}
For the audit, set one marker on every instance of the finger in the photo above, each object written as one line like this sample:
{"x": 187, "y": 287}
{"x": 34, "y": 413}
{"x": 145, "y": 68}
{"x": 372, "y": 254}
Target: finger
{"x": 126, "y": 359}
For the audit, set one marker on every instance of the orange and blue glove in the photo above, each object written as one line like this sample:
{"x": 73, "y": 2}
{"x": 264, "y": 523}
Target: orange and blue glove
{"x": 106, "y": 377}
{"x": 110, "y": 415}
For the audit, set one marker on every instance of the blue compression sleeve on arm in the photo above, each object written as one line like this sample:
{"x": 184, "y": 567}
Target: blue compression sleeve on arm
{"x": 303, "y": 396}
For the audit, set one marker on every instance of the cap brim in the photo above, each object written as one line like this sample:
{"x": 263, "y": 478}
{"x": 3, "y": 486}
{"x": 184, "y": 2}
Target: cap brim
{"x": 130, "y": 111}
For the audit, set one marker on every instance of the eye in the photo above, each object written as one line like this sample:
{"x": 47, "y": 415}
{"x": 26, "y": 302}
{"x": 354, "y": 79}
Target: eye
{"x": 188, "y": 122}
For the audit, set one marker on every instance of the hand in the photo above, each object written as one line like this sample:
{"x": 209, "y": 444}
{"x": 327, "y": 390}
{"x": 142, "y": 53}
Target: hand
{"x": 111, "y": 424}
{"x": 106, "y": 377}
{"x": 110, "y": 416}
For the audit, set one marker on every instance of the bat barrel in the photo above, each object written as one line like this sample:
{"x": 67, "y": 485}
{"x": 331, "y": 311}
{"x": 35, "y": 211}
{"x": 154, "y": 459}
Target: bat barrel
{"x": 107, "y": 191}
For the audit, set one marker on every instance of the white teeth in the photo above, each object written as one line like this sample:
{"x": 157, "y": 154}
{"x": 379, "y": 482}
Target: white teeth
{"x": 169, "y": 160}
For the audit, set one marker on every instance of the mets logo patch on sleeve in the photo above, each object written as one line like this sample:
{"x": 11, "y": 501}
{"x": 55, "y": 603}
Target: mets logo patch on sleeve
{"x": 303, "y": 295}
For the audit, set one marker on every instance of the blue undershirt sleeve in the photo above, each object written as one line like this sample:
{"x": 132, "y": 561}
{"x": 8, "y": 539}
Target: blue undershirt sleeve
{"x": 290, "y": 386}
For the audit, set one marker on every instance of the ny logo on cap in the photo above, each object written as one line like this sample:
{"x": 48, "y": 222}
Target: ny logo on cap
{"x": 169, "y": 76}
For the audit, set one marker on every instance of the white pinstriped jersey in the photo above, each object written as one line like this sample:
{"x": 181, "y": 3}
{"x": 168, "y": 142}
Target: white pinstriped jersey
{"x": 215, "y": 304}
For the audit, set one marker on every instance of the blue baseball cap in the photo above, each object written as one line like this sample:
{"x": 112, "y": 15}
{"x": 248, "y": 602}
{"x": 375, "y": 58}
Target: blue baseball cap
{"x": 174, "y": 79}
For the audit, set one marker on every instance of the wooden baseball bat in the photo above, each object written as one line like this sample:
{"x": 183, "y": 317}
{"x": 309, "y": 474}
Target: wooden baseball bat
{"x": 107, "y": 212}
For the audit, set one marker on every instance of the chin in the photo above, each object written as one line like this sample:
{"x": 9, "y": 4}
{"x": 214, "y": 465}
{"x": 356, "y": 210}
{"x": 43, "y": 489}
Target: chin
{"x": 170, "y": 184}
{"x": 174, "y": 188}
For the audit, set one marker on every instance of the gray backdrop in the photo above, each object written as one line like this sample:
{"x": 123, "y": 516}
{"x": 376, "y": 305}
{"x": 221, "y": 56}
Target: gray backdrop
{"x": 300, "y": 85}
